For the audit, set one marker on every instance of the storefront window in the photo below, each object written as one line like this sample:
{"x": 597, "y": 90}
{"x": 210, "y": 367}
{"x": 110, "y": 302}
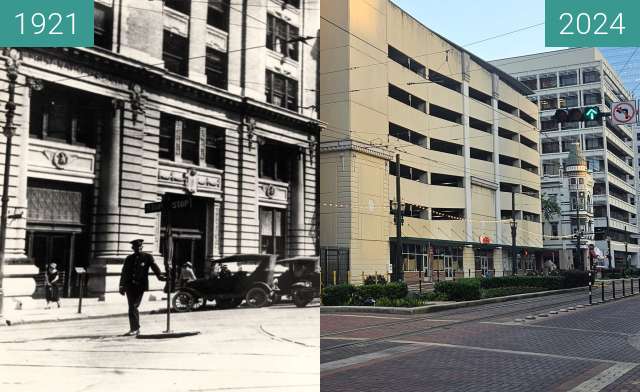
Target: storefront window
{"x": 446, "y": 261}
{"x": 414, "y": 257}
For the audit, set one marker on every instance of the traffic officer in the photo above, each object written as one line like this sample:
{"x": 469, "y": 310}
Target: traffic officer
{"x": 134, "y": 281}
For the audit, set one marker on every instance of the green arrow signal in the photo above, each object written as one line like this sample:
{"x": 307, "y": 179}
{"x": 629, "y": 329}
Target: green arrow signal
{"x": 592, "y": 113}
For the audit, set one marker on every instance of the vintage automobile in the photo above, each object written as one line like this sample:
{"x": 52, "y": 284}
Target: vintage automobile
{"x": 300, "y": 282}
{"x": 228, "y": 288}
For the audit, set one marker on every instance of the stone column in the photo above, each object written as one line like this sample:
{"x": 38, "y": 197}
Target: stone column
{"x": 468, "y": 261}
{"x": 107, "y": 217}
{"x": 198, "y": 41}
{"x": 297, "y": 194}
{"x": 497, "y": 262}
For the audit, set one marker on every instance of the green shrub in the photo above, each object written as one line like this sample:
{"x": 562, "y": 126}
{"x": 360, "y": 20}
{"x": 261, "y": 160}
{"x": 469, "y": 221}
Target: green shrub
{"x": 546, "y": 282}
{"x": 459, "y": 290}
{"x": 394, "y": 290}
{"x": 375, "y": 279}
{"x": 504, "y": 291}
{"x": 338, "y": 295}
{"x": 429, "y": 296}
{"x": 575, "y": 278}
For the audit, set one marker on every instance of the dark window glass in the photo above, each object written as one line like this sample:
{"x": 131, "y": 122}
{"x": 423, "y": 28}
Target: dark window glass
{"x": 216, "y": 68}
{"x": 183, "y": 6}
{"x": 102, "y": 26}
{"x": 590, "y": 76}
{"x": 530, "y": 81}
{"x": 215, "y": 147}
{"x": 592, "y": 98}
{"x": 548, "y": 81}
{"x": 279, "y": 36}
{"x": 167, "y": 135}
{"x": 293, "y": 3}
{"x": 67, "y": 115}
{"x": 281, "y": 91}
{"x": 190, "y": 138}
{"x": 218, "y": 14}
{"x": 569, "y": 78}
{"x": 275, "y": 162}
{"x": 175, "y": 53}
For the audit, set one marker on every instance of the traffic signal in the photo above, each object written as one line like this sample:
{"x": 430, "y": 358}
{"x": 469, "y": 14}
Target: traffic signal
{"x": 591, "y": 113}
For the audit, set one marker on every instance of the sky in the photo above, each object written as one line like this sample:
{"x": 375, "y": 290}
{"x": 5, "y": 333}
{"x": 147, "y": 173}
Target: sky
{"x": 468, "y": 21}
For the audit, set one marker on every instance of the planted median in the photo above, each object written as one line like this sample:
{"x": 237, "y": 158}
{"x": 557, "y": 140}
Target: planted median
{"x": 398, "y": 295}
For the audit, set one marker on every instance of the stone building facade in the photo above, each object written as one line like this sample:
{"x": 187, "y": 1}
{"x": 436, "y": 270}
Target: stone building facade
{"x": 177, "y": 97}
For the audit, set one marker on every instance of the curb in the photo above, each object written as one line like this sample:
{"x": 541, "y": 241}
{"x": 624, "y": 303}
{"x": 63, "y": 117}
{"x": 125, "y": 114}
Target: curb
{"x": 11, "y": 323}
{"x": 443, "y": 306}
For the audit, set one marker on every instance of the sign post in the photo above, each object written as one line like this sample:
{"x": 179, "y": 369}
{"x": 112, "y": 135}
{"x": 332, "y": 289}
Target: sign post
{"x": 166, "y": 207}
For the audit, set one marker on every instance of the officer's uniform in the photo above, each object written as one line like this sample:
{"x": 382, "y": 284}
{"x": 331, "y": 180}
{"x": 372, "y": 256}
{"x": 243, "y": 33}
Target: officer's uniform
{"x": 134, "y": 281}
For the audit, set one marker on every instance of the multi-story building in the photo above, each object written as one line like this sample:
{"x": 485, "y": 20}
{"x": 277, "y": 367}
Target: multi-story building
{"x": 215, "y": 99}
{"x": 572, "y": 191}
{"x": 582, "y": 78}
{"x": 466, "y": 135}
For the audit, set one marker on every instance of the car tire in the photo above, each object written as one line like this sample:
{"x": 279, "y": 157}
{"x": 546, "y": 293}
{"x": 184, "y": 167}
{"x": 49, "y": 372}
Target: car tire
{"x": 301, "y": 300}
{"x": 183, "y": 302}
{"x": 257, "y": 297}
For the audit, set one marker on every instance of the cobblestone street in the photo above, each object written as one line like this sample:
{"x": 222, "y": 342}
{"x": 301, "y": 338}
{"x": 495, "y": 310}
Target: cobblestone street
{"x": 556, "y": 344}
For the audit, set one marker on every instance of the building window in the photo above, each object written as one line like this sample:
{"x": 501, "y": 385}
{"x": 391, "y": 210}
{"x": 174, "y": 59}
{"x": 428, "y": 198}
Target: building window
{"x": 406, "y": 61}
{"x": 548, "y": 81}
{"x": 414, "y": 257}
{"x": 274, "y": 161}
{"x": 175, "y": 53}
{"x": 167, "y": 135}
{"x": 590, "y": 76}
{"x": 568, "y": 100}
{"x": 66, "y": 115}
{"x": 102, "y": 26}
{"x": 216, "y": 68}
{"x": 592, "y": 97}
{"x": 548, "y": 102}
{"x": 293, "y": 3}
{"x": 568, "y": 78}
{"x": 218, "y": 14}
{"x": 281, "y": 91}
{"x": 190, "y": 138}
{"x": 272, "y": 229}
{"x": 279, "y": 37}
{"x": 214, "y": 152}
{"x": 530, "y": 81}
{"x": 183, "y": 6}
{"x": 406, "y": 98}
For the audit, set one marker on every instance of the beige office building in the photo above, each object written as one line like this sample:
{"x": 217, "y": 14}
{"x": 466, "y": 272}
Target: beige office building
{"x": 467, "y": 136}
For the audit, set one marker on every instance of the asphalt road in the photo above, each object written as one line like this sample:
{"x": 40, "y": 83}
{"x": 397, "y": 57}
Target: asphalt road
{"x": 571, "y": 348}
{"x": 268, "y": 349}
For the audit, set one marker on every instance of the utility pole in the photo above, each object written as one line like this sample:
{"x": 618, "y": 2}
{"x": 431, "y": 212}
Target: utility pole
{"x": 13, "y": 63}
{"x": 398, "y": 267}
{"x": 626, "y": 248}
{"x": 514, "y": 228}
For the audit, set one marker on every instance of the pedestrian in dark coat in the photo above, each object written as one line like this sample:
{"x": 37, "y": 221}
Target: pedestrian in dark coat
{"x": 134, "y": 281}
{"x": 51, "y": 291}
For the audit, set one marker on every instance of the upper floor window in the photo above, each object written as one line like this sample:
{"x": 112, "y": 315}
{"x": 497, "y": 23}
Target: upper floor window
{"x": 183, "y": 6}
{"x": 293, "y": 3}
{"x": 279, "y": 37}
{"x": 530, "y": 81}
{"x": 406, "y": 61}
{"x": 281, "y": 91}
{"x": 175, "y": 53}
{"x": 216, "y": 68}
{"x": 66, "y": 115}
{"x": 406, "y": 98}
{"x": 590, "y": 76}
{"x": 274, "y": 161}
{"x": 103, "y": 26}
{"x": 592, "y": 97}
{"x": 181, "y": 138}
{"x": 218, "y": 14}
{"x": 548, "y": 81}
{"x": 568, "y": 78}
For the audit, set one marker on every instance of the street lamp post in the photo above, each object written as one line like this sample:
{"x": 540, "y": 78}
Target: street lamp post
{"x": 13, "y": 64}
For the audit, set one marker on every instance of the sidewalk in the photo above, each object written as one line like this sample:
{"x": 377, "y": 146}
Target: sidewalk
{"x": 33, "y": 311}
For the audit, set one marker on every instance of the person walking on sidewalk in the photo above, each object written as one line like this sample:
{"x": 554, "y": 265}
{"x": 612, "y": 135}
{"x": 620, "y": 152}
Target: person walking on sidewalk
{"x": 134, "y": 281}
{"x": 51, "y": 292}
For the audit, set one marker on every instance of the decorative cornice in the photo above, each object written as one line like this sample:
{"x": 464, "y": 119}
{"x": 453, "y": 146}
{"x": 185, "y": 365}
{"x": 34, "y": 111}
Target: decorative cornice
{"x": 352, "y": 145}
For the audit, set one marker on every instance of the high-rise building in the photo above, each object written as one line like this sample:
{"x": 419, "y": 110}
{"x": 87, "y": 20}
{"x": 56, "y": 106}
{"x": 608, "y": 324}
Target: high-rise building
{"x": 466, "y": 136}
{"x": 213, "y": 99}
{"x": 578, "y": 78}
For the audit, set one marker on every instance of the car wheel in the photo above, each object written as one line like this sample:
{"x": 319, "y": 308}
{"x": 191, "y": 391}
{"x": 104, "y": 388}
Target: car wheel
{"x": 199, "y": 303}
{"x": 183, "y": 301}
{"x": 257, "y": 297}
{"x": 301, "y": 300}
